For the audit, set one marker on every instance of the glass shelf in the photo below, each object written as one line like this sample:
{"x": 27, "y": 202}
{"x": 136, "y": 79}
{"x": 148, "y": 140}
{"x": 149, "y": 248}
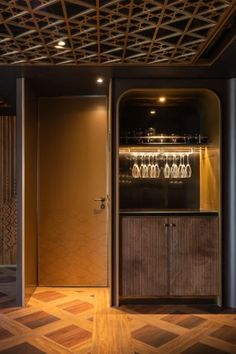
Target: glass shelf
{"x": 163, "y": 139}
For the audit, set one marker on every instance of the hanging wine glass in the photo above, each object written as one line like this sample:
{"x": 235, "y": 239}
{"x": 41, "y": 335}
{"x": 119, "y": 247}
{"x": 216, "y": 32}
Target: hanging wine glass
{"x": 149, "y": 167}
{"x": 152, "y": 171}
{"x": 188, "y": 168}
{"x": 174, "y": 168}
{"x": 143, "y": 168}
{"x": 182, "y": 169}
{"x": 135, "y": 168}
{"x": 157, "y": 169}
{"x": 166, "y": 170}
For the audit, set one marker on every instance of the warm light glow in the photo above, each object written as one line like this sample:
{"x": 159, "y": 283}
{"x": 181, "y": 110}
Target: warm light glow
{"x": 61, "y": 43}
{"x": 162, "y": 99}
{"x": 153, "y": 111}
{"x": 99, "y": 80}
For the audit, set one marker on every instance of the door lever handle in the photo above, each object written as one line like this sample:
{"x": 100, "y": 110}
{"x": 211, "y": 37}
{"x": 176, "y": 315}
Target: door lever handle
{"x": 102, "y": 199}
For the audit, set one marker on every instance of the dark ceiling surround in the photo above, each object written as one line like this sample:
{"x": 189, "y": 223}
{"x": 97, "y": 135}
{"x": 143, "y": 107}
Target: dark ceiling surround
{"x": 113, "y": 32}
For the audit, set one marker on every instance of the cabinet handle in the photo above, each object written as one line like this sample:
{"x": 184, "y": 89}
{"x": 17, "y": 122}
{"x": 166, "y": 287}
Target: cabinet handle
{"x": 172, "y": 225}
{"x": 166, "y": 225}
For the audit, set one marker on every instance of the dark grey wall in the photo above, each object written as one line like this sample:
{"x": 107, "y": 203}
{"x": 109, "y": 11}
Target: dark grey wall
{"x": 20, "y": 123}
{"x": 229, "y": 198}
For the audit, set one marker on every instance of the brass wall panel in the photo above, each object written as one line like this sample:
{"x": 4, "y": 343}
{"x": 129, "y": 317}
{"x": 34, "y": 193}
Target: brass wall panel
{"x": 209, "y": 179}
{"x": 7, "y": 190}
{"x": 210, "y": 159}
{"x": 72, "y": 163}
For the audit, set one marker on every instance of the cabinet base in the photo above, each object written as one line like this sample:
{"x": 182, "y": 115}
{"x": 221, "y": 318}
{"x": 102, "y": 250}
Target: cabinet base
{"x": 169, "y": 301}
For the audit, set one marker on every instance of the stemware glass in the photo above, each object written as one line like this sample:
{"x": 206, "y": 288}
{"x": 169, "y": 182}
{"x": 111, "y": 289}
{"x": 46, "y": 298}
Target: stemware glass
{"x": 166, "y": 170}
{"x": 149, "y": 167}
{"x": 152, "y": 170}
{"x": 157, "y": 169}
{"x": 135, "y": 168}
{"x": 188, "y": 168}
{"x": 182, "y": 168}
{"x": 143, "y": 168}
{"x": 174, "y": 168}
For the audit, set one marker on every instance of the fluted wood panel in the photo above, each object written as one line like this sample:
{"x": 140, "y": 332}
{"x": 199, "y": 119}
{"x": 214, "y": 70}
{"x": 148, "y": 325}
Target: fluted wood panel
{"x": 144, "y": 268}
{"x": 194, "y": 256}
{"x": 7, "y": 190}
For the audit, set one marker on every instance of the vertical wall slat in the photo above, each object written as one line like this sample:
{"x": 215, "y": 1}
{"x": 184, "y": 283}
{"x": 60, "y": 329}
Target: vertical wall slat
{"x": 7, "y": 190}
{"x": 1, "y": 191}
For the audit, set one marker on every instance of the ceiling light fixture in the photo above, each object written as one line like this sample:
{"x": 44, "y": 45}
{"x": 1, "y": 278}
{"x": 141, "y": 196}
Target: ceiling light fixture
{"x": 99, "y": 80}
{"x": 153, "y": 111}
{"x": 61, "y": 43}
{"x": 162, "y": 99}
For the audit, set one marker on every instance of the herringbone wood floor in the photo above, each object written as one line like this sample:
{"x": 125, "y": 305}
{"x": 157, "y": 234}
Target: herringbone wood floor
{"x": 79, "y": 320}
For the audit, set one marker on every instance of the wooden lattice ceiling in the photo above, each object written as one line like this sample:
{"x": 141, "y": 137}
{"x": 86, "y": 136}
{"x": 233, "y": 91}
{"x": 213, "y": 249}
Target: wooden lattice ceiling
{"x": 155, "y": 32}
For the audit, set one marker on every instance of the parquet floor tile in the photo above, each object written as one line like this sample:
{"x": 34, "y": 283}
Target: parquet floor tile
{"x": 4, "y": 334}
{"x": 70, "y": 336}
{"x": 153, "y": 336}
{"x": 226, "y": 333}
{"x": 203, "y": 349}
{"x": 79, "y": 320}
{"x": 186, "y": 321}
{"x": 75, "y": 307}
{"x": 24, "y": 348}
{"x": 37, "y": 319}
{"x": 47, "y": 296}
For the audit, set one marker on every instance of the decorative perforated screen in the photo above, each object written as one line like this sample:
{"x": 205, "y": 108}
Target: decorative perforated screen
{"x": 134, "y": 32}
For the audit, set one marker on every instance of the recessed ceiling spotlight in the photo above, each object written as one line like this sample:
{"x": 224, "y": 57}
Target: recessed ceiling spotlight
{"x": 162, "y": 99}
{"x": 99, "y": 80}
{"x": 153, "y": 111}
{"x": 61, "y": 43}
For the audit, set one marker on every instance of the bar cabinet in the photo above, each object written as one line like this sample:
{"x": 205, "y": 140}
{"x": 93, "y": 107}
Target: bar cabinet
{"x": 169, "y": 196}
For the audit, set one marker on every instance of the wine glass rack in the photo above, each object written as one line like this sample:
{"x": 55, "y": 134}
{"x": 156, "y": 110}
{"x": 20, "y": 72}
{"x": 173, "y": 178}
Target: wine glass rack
{"x": 163, "y": 139}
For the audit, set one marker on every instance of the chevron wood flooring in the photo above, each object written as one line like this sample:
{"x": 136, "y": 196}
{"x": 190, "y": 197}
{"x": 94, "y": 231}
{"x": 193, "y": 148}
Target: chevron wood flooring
{"x": 79, "y": 320}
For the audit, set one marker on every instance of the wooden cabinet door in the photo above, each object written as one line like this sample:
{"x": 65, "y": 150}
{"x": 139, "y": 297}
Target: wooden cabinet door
{"x": 193, "y": 256}
{"x": 143, "y": 263}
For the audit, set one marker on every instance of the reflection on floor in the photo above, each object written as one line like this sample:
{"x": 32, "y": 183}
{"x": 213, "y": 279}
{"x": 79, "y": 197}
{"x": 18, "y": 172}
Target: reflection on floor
{"x": 79, "y": 320}
{"x": 7, "y": 286}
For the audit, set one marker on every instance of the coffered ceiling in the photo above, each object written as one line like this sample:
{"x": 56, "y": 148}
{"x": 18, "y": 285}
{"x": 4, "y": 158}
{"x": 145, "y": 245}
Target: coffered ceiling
{"x": 115, "y": 32}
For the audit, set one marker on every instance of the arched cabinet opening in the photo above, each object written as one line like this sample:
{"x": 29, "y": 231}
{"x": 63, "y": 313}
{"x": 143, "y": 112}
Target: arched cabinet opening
{"x": 168, "y": 194}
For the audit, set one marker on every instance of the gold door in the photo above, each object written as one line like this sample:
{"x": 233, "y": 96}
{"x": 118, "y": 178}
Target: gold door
{"x": 72, "y": 174}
